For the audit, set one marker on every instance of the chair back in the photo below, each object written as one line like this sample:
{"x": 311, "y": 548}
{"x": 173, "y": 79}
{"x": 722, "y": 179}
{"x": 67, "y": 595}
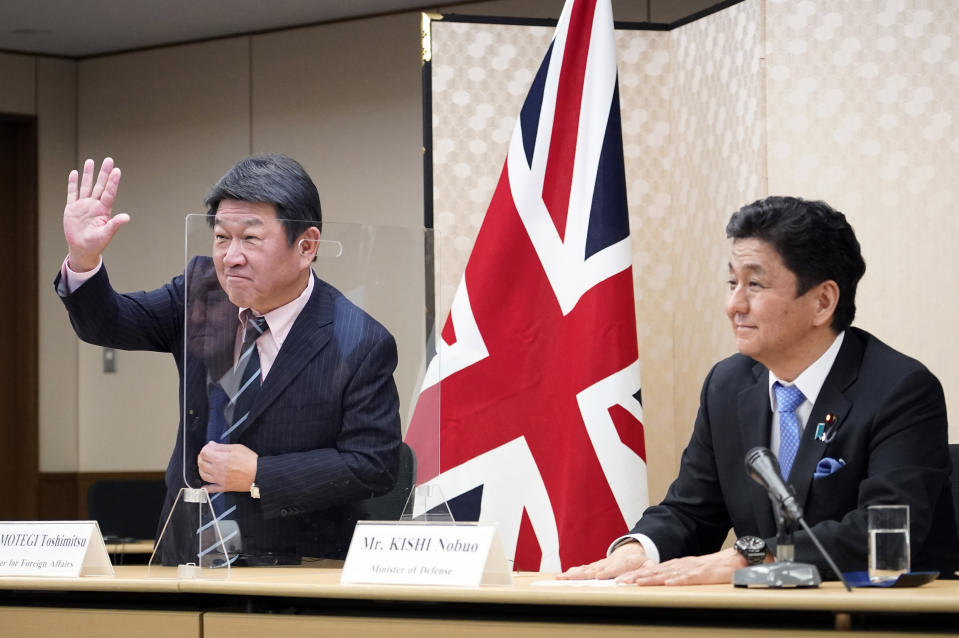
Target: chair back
{"x": 127, "y": 509}
{"x": 954, "y": 455}
{"x": 389, "y": 506}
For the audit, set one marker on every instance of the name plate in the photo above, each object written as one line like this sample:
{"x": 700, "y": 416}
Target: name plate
{"x": 417, "y": 553}
{"x": 53, "y": 548}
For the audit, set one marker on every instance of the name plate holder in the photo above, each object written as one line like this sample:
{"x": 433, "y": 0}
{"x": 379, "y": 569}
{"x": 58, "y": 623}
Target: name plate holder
{"x": 60, "y": 549}
{"x": 425, "y": 553}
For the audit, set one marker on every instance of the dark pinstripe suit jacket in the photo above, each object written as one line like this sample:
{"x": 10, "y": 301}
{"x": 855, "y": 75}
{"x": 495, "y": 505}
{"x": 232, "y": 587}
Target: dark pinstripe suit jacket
{"x": 325, "y": 423}
{"x": 890, "y": 416}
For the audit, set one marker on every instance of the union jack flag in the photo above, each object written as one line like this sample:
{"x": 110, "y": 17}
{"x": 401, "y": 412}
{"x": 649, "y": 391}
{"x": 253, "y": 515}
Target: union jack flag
{"x": 536, "y": 377}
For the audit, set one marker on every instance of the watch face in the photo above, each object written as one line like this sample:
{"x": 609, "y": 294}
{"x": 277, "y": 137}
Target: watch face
{"x": 752, "y": 548}
{"x": 751, "y": 544}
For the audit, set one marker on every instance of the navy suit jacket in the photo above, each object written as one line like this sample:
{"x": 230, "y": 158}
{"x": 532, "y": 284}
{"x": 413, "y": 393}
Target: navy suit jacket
{"x": 890, "y": 429}
{"x": 325, "y": 422}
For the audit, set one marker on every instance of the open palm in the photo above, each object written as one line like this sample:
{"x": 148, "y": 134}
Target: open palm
{"x": 88, "y": 220}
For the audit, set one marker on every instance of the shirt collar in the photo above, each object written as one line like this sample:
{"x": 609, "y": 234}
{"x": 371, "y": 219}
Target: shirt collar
{"x": 811, "y": 380}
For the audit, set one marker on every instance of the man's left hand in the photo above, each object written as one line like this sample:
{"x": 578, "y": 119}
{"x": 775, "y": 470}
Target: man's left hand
{"x": 227, "y": 467}
{"x": 709, "y": 569}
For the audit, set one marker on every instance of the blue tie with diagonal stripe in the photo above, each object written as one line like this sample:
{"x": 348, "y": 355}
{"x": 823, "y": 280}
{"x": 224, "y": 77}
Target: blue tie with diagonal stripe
{"x": 227, "y": 413}
{"x": 788, "y": 398}
{"x": 216, "y": 424}
{"x": 249, "y": 361}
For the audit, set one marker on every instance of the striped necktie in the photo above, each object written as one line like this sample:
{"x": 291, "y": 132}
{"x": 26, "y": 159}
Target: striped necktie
{"x": 788, "y": 398}
{"x": 226, "y": 414}
{"x": 249, "y": 383}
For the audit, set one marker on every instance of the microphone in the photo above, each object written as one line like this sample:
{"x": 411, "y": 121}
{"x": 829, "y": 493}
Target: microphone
{"x": 762, "y": 467}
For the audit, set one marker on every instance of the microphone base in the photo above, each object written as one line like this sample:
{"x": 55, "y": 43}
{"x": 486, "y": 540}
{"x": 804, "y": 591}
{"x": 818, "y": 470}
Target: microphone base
{"x": 777, "y": 575}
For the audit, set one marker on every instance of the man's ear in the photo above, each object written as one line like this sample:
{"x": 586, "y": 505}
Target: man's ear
{"x": 308, "y": 243}
{"x": 826, "y": 297}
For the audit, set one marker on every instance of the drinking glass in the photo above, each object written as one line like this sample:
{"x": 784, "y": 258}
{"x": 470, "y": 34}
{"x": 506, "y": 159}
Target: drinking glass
{"x": 888, "y": 541}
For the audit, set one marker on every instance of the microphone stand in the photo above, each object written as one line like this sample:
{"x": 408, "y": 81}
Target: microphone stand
{"x": 785, "y": 548}
{"x": 784, "y": 572}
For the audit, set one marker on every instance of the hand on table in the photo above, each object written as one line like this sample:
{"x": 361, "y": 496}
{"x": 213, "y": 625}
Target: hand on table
{"x": 626, "y": 558}
{"x": 709, "y": 569}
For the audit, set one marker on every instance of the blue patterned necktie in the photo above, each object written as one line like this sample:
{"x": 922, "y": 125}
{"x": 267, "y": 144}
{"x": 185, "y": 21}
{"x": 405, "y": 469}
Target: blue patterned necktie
{"x": 788, "y": 398}
{"x": 249, "y": 382}
{"x": 227, "y": 413}
{"x": 216, "y": 424}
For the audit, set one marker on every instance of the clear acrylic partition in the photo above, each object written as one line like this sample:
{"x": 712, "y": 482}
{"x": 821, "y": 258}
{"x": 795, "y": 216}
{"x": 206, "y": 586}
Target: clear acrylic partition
{"x": 386, "y": 271}
{"x": 427, "y": 502}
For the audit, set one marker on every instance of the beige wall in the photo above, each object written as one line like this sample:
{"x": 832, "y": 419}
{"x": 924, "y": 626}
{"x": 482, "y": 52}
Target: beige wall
{"x": 350, "y": 111}
{"x": 863, "y": 110}
{"x": 175, "y": 119}
{"x": 19, "y": 84}
{"x": 57, "y": 135}
{"x": 173, "y": 130}
{"x": 717, "y": 163}
{"x": 176, "y": 129}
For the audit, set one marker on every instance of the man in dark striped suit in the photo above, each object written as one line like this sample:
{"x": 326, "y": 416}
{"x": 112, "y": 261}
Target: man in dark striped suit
{"x": 309, "y": 426}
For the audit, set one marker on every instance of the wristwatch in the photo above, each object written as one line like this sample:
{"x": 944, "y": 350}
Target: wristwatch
{"x": 752, "y": 548}
{"x": 254, "y": 491}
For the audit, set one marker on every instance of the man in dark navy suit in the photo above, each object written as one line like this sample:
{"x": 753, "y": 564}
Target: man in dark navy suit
{"x": 321, "y": 432}
{"x": 865, "y": 424}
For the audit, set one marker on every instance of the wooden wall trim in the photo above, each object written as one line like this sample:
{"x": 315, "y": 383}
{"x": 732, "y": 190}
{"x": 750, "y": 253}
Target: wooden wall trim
{"x": 19, "y": 381}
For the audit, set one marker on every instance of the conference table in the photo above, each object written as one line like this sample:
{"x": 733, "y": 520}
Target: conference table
{"x": 299, "y": 601}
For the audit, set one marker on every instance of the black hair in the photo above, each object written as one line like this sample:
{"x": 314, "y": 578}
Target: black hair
{"x": 271, "y": 179}
{"x": 815, "y": 242}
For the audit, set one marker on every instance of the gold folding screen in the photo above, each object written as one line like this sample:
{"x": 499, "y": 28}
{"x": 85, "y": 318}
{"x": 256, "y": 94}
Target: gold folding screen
{"x": 846, "y": 101}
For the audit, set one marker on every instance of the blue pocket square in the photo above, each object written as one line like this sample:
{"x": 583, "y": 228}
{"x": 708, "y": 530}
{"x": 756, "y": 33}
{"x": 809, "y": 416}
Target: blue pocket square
{"x": 827, "y": 466}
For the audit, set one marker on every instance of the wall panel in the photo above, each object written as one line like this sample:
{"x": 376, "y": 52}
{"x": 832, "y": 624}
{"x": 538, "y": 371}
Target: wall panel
{"x": 349, "y": 111}
{"x": 175, "y": 120}
{"x": 717, "y": 164}
{"x": 17, "y": 84}
{"x": 863, "y": 105}
{"x": 57, "y": 135}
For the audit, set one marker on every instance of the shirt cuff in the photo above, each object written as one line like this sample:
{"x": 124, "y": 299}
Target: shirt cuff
{"x": 76, "y": 279}
{"x": 652, "y": 552}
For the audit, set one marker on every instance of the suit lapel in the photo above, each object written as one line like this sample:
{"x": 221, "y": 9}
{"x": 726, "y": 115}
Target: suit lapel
{"x": 755, "y": 416}
{"x": 831, "y": 400}
{"x": 311, "y": 331}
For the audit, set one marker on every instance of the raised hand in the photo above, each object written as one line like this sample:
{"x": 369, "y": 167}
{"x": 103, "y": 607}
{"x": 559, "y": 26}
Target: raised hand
{"x": 88, "y": 220}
